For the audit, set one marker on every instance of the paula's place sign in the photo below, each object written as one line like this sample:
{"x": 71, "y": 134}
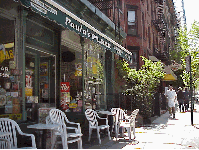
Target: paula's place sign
{"x": 55, "y": 12}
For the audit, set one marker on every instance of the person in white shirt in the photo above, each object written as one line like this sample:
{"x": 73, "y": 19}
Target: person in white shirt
{"x": 171, "y": 98}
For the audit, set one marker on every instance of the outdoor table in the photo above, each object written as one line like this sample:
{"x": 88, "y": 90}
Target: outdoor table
{"x": 109, "y": 116}
{"x": 44, "y": 128}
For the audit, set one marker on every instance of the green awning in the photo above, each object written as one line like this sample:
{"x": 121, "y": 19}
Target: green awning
{"x": 55, "y": 12}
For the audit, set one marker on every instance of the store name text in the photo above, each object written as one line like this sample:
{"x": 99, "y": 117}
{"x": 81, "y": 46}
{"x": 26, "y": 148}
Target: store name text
{"x": 86, "y": 32}
{"x": 42, "y": 7}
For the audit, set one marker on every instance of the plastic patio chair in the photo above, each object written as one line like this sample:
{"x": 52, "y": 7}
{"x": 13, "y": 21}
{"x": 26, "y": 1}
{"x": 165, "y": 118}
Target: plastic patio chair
{"x": 129, "y": 123}
{"x": 10, "y": 126}
{"x": 119, "y": 115}
{"x": 92, "y": 117}
{"x": 57, "y": 116}
{"x": 5, "y": 144}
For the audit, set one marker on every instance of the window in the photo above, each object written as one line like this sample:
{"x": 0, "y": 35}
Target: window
{"x": 132, "y": 22}
{"x": 149, "y": 37}
{"x": 134, "y": 64}
{"x": 143, "y": 25}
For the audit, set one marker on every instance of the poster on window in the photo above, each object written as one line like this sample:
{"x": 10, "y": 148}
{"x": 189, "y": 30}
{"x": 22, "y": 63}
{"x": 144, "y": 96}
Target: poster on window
{"x": 79, "y": 104}
{"x": 65, "y": 100}
{"x": 44, "y": 69}
{"x": 65, "y": 87}
{"x": 65, "y": 97}
{"x": 28, "y": 91}
{"x": 44, "y": 93}
{"x": 78, "y": 69}
{"x": 28, "y": 81}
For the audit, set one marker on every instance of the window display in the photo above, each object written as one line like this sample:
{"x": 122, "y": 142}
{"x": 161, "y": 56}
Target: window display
{"x": 10, "y": 104}
{"x": 71, "y": 85}
{"x": 94, "y": 76}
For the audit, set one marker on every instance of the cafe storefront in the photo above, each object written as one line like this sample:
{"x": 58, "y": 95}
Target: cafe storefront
{"x": 50, "y": 58}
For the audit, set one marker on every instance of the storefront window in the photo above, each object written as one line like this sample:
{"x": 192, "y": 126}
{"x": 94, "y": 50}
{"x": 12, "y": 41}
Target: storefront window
{"x": 94, "y": 76}
{"x": 72, "y": 76}
{"x": 10, "y": 104}
{"x": 71, "y": 73}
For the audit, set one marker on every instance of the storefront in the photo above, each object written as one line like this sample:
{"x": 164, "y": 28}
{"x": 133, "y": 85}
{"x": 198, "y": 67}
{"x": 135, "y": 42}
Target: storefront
{"x": 50, "y": 58}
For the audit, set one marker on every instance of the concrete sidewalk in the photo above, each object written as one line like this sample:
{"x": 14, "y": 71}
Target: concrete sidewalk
{"x": 168, "y": 133}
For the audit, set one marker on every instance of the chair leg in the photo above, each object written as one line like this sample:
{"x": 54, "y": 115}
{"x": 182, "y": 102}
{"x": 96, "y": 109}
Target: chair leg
{"x": 80, "y": 143}
{"x": 117, "y": 132}
{"x": 129, "y": 132}
{"x": 90, "y": 132}
{"x": 64, "y": 143}
{"x": 53, "y": 142}
{"x": 134, "y": 131}
{"x": 98, "y": 134}
{"x": 123, "y": 131}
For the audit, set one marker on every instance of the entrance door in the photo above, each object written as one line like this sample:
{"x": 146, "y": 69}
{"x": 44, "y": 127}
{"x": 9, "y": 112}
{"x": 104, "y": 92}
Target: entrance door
{"x": 40, "y": 77}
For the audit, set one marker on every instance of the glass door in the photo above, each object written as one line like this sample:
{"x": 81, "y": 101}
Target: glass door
{"x": 47, "y": 79}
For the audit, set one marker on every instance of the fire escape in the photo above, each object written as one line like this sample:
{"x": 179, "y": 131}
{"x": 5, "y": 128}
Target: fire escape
{"x": 161, "y": 26}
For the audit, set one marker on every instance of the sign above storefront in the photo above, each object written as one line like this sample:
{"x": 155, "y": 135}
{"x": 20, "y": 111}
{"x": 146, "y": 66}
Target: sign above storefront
{"x": 55, "y": 12}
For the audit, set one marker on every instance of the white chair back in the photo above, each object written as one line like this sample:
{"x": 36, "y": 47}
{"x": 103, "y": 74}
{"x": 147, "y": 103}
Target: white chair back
{"x": 59, "y": 117}
{"x": 119, "y": 114}
{"x": 91, "y": 116}
{"x": 10, "y": 126}
{"x": 48, "y": 121}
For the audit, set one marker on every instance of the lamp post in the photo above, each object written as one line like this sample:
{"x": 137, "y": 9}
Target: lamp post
{"x": 188, "y": 69}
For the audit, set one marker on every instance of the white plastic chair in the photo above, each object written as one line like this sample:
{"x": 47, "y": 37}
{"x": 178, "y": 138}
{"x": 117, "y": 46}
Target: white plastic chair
{"x": 92, "y": 117}
{"x": 10, "y": 126}
{"x": 119, "y": 115}
{"x": 58, "y": 117}
{"x": 5, "y": 144}
{"x": 129, "y": 122}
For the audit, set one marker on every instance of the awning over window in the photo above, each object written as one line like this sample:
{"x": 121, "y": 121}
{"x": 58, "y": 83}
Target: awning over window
{"x": 153, "y": 58}
{"x": 169, "y": 76}
{"x": 55, "y": 12}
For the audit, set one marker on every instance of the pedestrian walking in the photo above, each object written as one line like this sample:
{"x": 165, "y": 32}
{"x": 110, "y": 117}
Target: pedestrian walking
{"x": 171, "y": 98}
{"x": 186, "y": 99}
{"x": 180, "y": 98}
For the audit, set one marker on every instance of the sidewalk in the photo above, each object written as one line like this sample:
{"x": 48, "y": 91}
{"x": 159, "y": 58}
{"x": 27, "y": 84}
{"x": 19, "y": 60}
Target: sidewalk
{"x": 167, "y": 133}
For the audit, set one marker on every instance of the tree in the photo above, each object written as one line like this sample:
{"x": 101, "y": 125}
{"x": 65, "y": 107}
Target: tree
{"x": 142, "y": 83}
{"x": 188, "y": 45}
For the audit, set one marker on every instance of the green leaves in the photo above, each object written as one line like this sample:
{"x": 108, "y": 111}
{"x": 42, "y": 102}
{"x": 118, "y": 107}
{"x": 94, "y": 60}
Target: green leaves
{"x": 188, "y": 45}
{"x": 142, "y": 83}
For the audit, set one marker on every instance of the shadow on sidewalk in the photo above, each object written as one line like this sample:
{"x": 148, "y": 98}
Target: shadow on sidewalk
{"x": 105, "y": 142}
